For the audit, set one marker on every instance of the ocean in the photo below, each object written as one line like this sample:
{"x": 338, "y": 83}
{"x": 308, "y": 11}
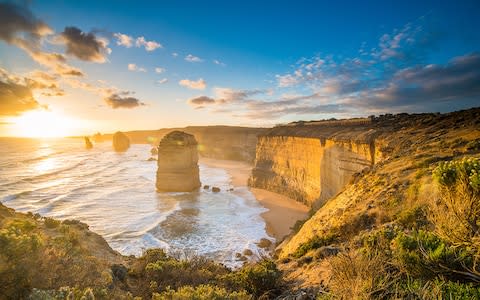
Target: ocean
{"x": 114, "y": 193}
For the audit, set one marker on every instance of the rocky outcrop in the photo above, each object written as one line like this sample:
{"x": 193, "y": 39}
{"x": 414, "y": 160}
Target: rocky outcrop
{"x": 120, "y": 141}
{"x": 178, "y": 163}
{"x": 311, "y": 164}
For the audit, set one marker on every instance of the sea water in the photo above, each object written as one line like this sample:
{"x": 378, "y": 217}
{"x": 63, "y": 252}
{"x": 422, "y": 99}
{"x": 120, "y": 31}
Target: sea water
{"x": 114, "y": 193}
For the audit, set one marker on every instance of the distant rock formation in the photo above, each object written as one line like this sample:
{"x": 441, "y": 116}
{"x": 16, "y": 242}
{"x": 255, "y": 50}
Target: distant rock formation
{"x": 121, "y": 142}
{"x": 88, "y": 144}
{"x": 98, "y": 137}
{"x": 178, "y": 163}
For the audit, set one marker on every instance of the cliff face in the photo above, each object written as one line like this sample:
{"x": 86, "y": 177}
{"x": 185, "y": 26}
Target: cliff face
{"x": 178, "y": 163}
{"x": 310, "y": 169}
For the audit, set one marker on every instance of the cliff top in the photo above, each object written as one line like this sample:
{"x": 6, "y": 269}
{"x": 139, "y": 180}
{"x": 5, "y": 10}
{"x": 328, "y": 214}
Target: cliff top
{"x": 178, "y": 138}
{"x": 366, "y": 129}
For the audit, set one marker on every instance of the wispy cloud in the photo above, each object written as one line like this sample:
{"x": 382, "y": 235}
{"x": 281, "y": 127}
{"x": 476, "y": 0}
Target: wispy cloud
{"x": 193, "y": 59}
{"x": 128, "y": 41}
{"x": 135, "y": 68}
{"x": 123, "y": 40}
{"x": 219, "y": 63}
{"x": 163, "y": 80}
{"x": 148, "y": 45}
{"x": 159, "y": 70}
{"x": 200, "y": 84}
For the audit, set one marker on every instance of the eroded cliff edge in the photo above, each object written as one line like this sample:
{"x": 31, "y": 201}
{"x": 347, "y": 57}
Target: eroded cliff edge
{"x": 311, "y": 162}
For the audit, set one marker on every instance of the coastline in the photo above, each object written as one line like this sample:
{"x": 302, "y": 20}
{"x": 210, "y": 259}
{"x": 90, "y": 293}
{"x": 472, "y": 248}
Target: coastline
{"x": 283, "y": 212}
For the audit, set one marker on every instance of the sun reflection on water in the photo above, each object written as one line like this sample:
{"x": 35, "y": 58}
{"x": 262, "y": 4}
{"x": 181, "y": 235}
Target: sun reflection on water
{"x": 46, "y": 165}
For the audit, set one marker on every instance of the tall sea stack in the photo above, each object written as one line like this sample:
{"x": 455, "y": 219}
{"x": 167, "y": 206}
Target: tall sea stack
{"x": 178, "y": 163}
{"x": 88, "y": 143}
{"x": 121, "y": 142}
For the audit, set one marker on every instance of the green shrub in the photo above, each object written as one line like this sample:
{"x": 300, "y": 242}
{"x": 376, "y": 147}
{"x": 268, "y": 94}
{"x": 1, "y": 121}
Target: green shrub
{"x": 51, "y": 223}
{"x": 314, "y": 243}
{"x": 413, "y": 218}
{"x": 201, "y": 292}
{"x": 359, "y": 276}
{"x": 18, "y": 256}
{"x": 473, "y": 145}
{"x": 456, "y": 213}
{"x": 258, "y": 279}
{"x": 422, "y": 254}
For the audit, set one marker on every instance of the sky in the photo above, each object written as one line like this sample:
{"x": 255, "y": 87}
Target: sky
{"x": 78, "y": 67}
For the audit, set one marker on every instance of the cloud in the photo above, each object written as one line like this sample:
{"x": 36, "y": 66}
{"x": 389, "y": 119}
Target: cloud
{"x": 16, "y": 95}
{"x": 162, "y": 81}
{"x": 122, "y": 100}
{"x": 135, "y": 68}
{"x": 159, "y": 70}
{"x": 84, "y": 46}
{"x": 19, "y": 27}
{"x": 191, "y": 58}
{"x": 200, "y": 84}
{"x": 123, "y": 40}
{"x": 202, "y": 100}
{"x": 175, "y": 54}
{"x": 128, "y": 41}
{"x": 16, "y": 99}
{"x": 15, "y": 19}
{"x": 149, "y": 45}
{"x": 217, "y": 62}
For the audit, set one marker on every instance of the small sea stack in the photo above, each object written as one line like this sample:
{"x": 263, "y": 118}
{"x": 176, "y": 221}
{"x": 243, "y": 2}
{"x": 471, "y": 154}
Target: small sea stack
{"x": 88, "y": 143}
{"x": 178, "y": 163}
{"x": 121, "y": 142}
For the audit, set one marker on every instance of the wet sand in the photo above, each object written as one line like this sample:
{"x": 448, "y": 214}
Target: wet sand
{"x": 282, "y": 212}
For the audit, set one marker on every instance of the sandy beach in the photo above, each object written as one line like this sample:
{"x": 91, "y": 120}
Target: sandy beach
{"x": 282, "y": 212}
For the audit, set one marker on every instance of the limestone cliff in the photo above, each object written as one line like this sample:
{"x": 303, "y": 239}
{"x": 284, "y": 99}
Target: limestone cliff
{"x": 178, "y": 163}
{"x": 313, "y": 163}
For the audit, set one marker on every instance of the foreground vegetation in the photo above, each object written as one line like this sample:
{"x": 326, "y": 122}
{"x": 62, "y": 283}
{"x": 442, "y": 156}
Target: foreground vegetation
{"x": 428, "y": 248}
{"x": 42, "y": 258}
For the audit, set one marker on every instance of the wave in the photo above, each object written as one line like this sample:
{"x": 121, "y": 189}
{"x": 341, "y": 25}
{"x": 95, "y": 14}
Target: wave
{"x": 53, "y": 174}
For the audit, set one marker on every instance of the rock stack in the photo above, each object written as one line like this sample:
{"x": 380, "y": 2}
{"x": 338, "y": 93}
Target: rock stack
{"x": 178, "y": 163}
{"x": 121, "y": 142}
{"x": 88, "y": 143}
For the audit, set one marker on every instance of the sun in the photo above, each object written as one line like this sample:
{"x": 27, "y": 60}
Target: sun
{"x": 40, "y": 124}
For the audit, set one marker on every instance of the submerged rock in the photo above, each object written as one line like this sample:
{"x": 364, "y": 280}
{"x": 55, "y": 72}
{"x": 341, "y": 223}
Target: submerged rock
{"x": 121, "y": 142}
{"x": 247, "y": 252}
{"x": 88, "y": 144}
{"x": 178, "y": 163}
{"x": 264, "y": 243}
{"x": 215, "y": 189}
{"x": 206, "y": 187}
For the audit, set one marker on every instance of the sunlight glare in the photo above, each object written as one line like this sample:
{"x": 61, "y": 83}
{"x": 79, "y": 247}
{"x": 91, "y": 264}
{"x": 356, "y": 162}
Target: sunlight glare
{"x": 43, "y": 124}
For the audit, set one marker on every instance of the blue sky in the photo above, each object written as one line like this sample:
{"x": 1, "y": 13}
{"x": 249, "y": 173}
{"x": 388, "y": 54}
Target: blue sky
{"x": 236, "y": 63}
